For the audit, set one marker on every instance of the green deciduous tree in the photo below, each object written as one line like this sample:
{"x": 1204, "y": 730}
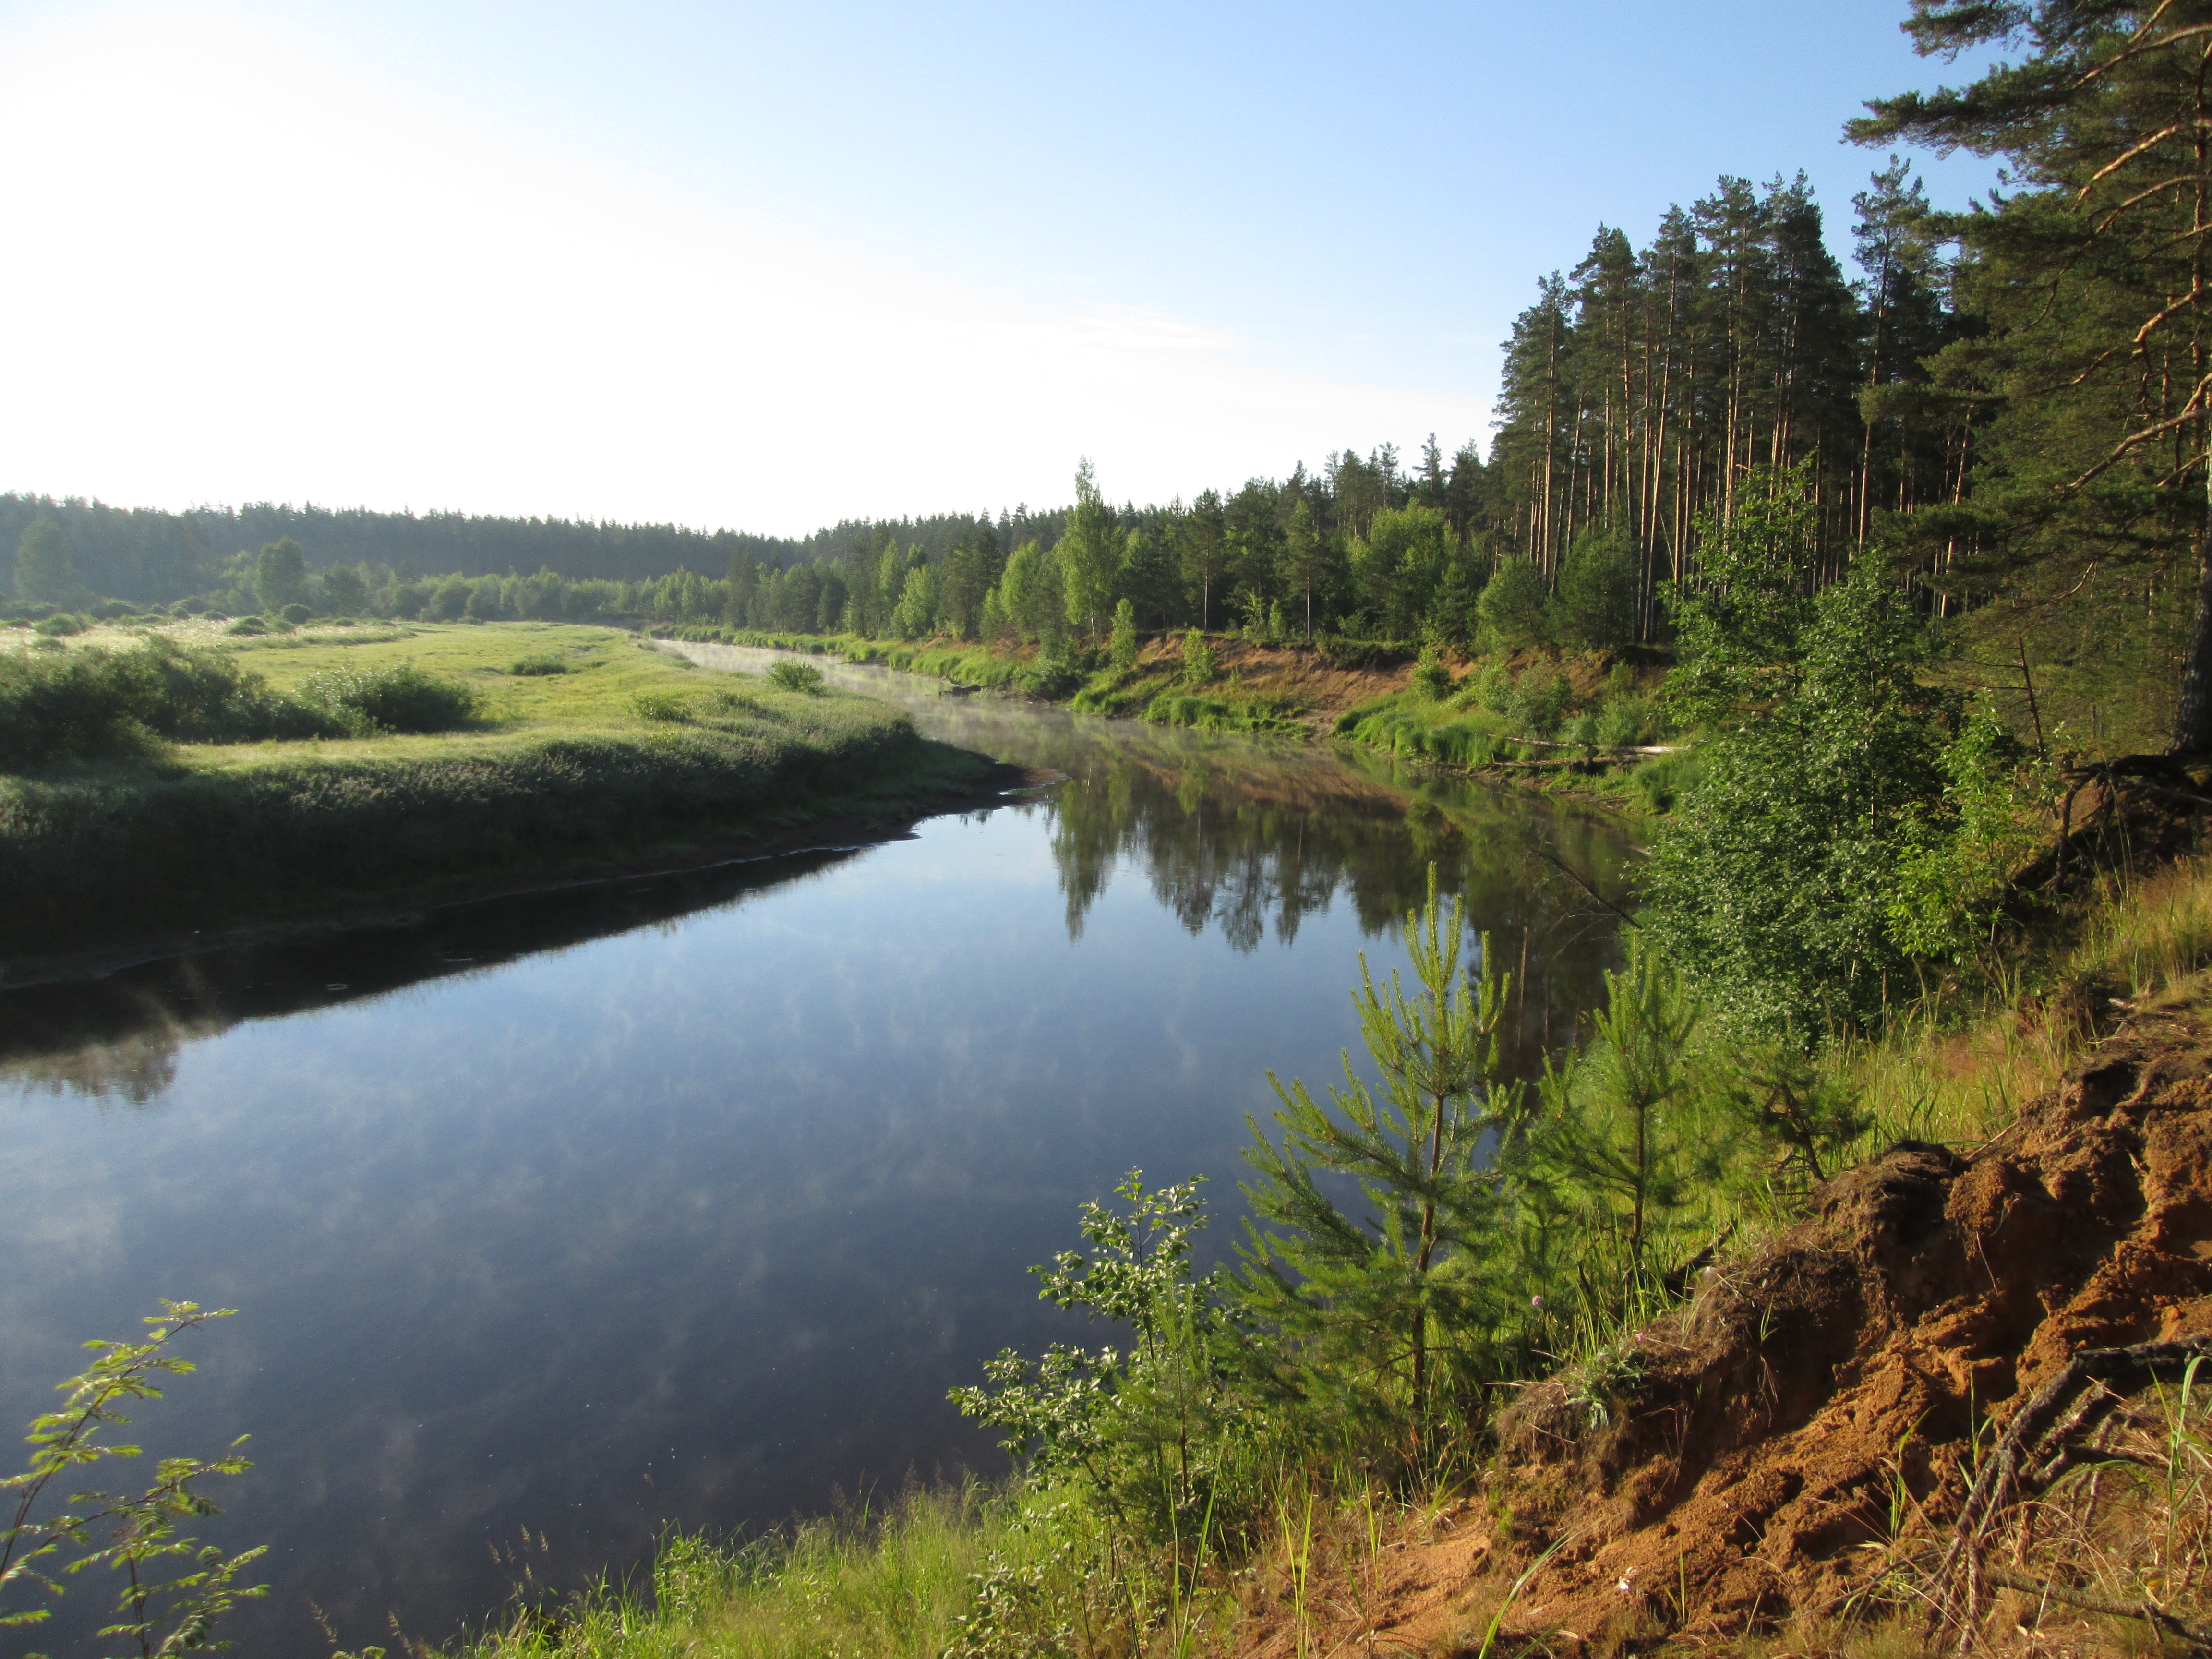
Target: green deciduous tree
{"x": 1773, "y": 880}
{"x": 345, "y": 594}
{"x": 44, "y": 573}
{"x": 1123, "y": 646}
{"x": 280, "y": 575}
{"x": 1090, "y": 555}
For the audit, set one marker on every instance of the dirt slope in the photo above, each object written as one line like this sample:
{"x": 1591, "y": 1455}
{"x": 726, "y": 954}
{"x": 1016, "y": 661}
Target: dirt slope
{"x": 1807, "y": 1393}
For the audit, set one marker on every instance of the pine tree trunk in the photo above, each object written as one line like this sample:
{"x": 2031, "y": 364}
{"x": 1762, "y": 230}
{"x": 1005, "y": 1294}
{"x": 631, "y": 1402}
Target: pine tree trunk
{"x": 2192, "y": 715}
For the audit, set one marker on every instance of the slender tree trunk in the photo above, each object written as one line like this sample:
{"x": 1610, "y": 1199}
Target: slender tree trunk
{"x": 1428, "y": 1250}
{"x": 2192, "y": 715}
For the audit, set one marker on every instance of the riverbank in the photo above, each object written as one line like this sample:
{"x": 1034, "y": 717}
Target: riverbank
{"x": 589, "y": 757}
{"x": 1589, "y": 727}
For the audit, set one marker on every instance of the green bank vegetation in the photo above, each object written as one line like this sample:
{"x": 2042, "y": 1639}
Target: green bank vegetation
{"x": 171, "y": 782}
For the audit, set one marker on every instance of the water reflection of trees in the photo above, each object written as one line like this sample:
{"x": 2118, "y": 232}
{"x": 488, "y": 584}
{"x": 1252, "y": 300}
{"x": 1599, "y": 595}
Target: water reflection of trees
{"x": 118, "y": 1037}
{"x": 1252, "y": 839}
{"x": 1248, "y": 837}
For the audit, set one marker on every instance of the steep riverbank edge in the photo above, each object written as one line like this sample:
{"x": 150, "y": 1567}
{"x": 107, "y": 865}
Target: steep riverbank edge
{"x": 839, "y": 799}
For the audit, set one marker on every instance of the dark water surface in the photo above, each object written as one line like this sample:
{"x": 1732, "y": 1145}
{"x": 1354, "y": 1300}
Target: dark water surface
{"x": 685, "y": 1200}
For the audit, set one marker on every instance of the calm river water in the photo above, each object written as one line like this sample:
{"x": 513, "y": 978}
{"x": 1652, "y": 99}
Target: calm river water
{"x": 556, "y": 1221}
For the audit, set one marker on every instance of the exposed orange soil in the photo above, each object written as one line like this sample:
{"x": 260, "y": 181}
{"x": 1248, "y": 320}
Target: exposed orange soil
{"x": 1810, "y": 1389}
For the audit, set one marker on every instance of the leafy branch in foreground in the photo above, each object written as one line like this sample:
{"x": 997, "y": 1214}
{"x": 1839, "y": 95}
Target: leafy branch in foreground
{"x": 135, "y": 1535}
{"x": 1147, "y": 1431}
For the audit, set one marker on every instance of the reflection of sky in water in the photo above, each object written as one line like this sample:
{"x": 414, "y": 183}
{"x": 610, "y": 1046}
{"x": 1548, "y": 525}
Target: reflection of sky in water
{"x": 694, "y": 1221}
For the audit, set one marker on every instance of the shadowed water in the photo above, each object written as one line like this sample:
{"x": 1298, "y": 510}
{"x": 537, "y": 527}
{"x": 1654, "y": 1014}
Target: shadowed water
{"x": 685, "y": 1200}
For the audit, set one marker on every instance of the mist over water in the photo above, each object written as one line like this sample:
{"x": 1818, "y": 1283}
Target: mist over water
{"x": 685, "y": 1200}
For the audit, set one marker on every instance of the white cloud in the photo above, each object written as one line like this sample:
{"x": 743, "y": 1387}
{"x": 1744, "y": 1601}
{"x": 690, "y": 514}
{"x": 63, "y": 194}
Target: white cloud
{"x": 251, "y": 265}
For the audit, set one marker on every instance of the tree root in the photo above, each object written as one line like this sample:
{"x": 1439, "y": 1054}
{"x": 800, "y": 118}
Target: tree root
{"x": 2147, "y": 1610}
{"x": 2070, "y": 1404}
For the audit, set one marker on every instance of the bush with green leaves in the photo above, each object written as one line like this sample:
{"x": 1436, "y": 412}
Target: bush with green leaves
{"x": 1145, "y": 1433}
{"x": 545, "y": 662}
{"x": 1200, "y": 667}
{"x": 394, "y": 697}
{"x": 788, "y": 675}
{"x": 1431, "y": 678}
{"x": 1538, "y": 702}
{"x": 1774, "y": 880}
{"x": 1955, "y": 870}
{"x": 97, "y": 704}
{"x": 1121, "y": 646}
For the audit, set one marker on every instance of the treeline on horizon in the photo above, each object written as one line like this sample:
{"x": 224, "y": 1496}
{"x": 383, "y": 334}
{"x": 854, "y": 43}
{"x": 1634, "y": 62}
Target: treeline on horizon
{"x": 153, "y": 556}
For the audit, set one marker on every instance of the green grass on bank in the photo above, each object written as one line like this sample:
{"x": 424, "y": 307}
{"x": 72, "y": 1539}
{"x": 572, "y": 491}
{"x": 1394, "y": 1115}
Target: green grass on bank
{"x": 1581, "y": 720}
{"x": 626, "y": 752}
{"x": 897, "y": 1585}
{"x": 1157, "y": 689}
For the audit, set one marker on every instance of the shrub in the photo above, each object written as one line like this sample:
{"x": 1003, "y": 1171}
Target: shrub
{"x": 296, "y": 614}
{"x": 94, "y": 704}
{"x": 659, "y": 706}
{"x": 1538, "y": 702}
{"x": 1621, "y": 724}
{"x": 545, "y": 663}
{"x": 1051, "y": 677}
{"x": 1340, "y": 652}
{"x": 1124, "y": 647}
{"x": 1514, "y": 606}
{"x": 1200, "y": 666}
{"x": 1430, "y": 678}
{"x": 54, "y": 627}
{"x": 399, "y": 697}
{"x": 797, "y": 676}
{"x": 248, "y": 625}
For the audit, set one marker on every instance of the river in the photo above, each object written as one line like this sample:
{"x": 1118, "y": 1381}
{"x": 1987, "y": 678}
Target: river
{"x": 553, "y": 1221}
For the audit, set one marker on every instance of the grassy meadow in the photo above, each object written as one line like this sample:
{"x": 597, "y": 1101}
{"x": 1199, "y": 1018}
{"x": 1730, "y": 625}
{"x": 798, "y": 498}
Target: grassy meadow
{"x": 569, "y": 747}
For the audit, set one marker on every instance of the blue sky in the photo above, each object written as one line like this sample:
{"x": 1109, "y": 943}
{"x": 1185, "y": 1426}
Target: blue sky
{"x": 768, "y": 267}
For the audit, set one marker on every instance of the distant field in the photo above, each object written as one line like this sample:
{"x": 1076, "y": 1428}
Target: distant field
{"x": 603, "y": 750}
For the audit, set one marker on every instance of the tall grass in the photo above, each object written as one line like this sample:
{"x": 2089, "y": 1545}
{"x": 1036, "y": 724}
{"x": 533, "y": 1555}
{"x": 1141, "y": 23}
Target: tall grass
{"x": 895, "y": 1585}
{"x": 1933, "y": 1076}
